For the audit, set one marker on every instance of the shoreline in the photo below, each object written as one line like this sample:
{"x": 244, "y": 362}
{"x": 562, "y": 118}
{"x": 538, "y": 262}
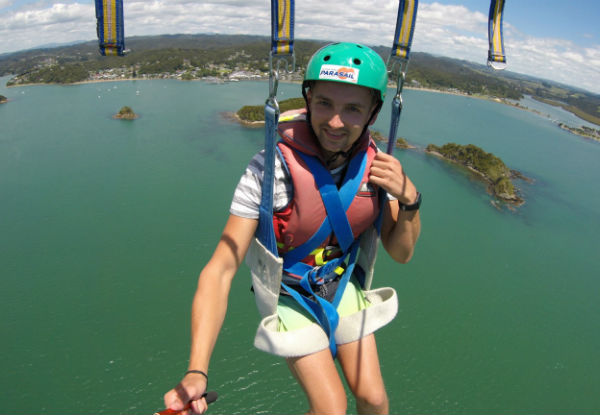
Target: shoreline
{"x": 233, "y": 116}
{"x": 582, "y": 132}
{"x": 579, "y": 131}
{"x": 572, "y": 130}
{"x": 505, "y": 101}
{"x": 125, "y": 117}
{"x": 88, "y": 81}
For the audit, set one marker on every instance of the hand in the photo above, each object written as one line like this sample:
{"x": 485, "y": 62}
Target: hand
{"x": 386, "y": 172}
{"x": 188, "y": 391}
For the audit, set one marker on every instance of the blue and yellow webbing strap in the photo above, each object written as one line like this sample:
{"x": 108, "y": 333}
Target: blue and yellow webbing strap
{"x": 110, "y": 27}
{"x": 496, "y": 55}
{"x": 282, "y": 44}
{"x": 282, "y": 27}
{"x": 405, "y": 28}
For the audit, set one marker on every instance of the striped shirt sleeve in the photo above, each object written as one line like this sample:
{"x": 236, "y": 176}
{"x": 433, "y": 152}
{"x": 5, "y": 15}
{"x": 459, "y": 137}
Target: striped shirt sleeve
{"x": 247, "y": 195}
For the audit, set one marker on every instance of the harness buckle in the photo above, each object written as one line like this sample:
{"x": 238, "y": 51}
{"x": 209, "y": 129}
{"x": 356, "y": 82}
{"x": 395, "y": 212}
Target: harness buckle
{"x": 323, "y": 255}
{"x": 397, "y": 68}
{"x": 280, "y": 61}
{"x": 327, "y": 272}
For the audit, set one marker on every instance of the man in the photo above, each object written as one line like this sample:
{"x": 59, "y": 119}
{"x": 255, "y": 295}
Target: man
{"x": 344, "y": 89}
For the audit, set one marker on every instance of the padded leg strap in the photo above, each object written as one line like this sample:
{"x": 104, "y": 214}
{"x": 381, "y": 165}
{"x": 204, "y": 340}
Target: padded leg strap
{"x": 312, "y": 338}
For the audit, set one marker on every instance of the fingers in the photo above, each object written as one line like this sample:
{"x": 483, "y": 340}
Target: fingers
{"x": 188, "y": 394}
{"x": 182, "y": 393}
{"x": 199, "y": 406}
{"x": 386, "y": 166}
{"x": 386, "y": 172}
{"x": 173, "y": 401}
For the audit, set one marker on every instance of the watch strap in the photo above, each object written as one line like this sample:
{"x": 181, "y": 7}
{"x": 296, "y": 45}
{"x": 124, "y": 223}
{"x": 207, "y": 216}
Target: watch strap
{"x": 413, "y": 206}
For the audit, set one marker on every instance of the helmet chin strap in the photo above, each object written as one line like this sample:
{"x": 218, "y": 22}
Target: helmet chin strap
{"x": 335, "y": 156}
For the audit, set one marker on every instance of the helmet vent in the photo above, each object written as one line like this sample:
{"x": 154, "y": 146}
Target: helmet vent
{"x": 357, "y": 61}
{"x": 326, "y": 58}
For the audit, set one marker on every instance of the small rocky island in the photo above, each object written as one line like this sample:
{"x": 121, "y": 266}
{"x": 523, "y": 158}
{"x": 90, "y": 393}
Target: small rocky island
{"x": 254, "y": 115}
{"x": 488, "y": 166}
{"x": 3, "y": 99}
{"x": 126, "y": 113}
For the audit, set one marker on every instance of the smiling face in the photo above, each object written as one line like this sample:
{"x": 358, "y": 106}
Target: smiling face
{"x": 339, "y": 113}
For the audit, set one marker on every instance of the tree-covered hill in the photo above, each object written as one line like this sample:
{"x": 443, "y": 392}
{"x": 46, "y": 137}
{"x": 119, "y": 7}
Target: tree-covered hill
{"x": 198, "y": 56}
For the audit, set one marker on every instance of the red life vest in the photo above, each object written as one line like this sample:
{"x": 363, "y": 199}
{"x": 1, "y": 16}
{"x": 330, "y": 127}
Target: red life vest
{"x": 301, "y": 218}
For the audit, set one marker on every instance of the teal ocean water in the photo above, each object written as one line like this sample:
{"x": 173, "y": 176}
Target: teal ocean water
{"x": 105, "y": 224}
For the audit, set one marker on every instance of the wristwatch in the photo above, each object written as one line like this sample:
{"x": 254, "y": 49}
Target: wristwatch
{"x": 413, "y": 206}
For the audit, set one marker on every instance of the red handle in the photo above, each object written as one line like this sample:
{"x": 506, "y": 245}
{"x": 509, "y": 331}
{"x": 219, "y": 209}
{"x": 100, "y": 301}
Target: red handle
{"x": 210, "y": 397}
{"x": 172, "y": 412}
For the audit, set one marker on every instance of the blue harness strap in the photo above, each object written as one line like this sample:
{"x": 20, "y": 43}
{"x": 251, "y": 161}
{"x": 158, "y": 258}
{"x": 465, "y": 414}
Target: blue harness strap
{"x": 399, "y": 55}
{"x": 398, "y": 62}
{"x": 323, "y": 311}
{"x": 344, "y": 197}
{"x": 336, "y": 202}
{"x": 336, "y": 222}
{"x": 282, "y": 45}
{"x": 265, "y": 232}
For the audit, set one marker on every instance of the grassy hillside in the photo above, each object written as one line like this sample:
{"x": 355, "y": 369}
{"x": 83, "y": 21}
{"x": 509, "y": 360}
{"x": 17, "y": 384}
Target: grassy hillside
{"x": 197, "y": 56}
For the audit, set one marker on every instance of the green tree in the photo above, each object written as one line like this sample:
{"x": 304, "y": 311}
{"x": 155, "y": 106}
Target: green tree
{"x": 253, "y": 113}
{"x": 126, "y": 111}
{"x": 187, "y": 76}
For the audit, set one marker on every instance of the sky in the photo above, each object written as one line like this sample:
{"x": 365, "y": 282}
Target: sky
{"x": 550, "y": 39}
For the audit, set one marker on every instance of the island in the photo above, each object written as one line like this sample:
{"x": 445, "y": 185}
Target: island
{"x": 125, "y": 113}
{"x": 3, "y": 99}
{"x": 254, "y": 115}
{"x": 584, "y": 131}
{"x": 400, "y": 141}
{"x": 486, "y": 165}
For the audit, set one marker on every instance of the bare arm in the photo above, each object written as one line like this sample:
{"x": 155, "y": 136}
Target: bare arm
{"x": 209, "y": 308}
{"x": 400, "y": 230}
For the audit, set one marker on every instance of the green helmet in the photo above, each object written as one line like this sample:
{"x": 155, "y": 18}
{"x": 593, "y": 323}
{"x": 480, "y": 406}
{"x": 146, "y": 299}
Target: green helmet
{"x": 348, "y": 63}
